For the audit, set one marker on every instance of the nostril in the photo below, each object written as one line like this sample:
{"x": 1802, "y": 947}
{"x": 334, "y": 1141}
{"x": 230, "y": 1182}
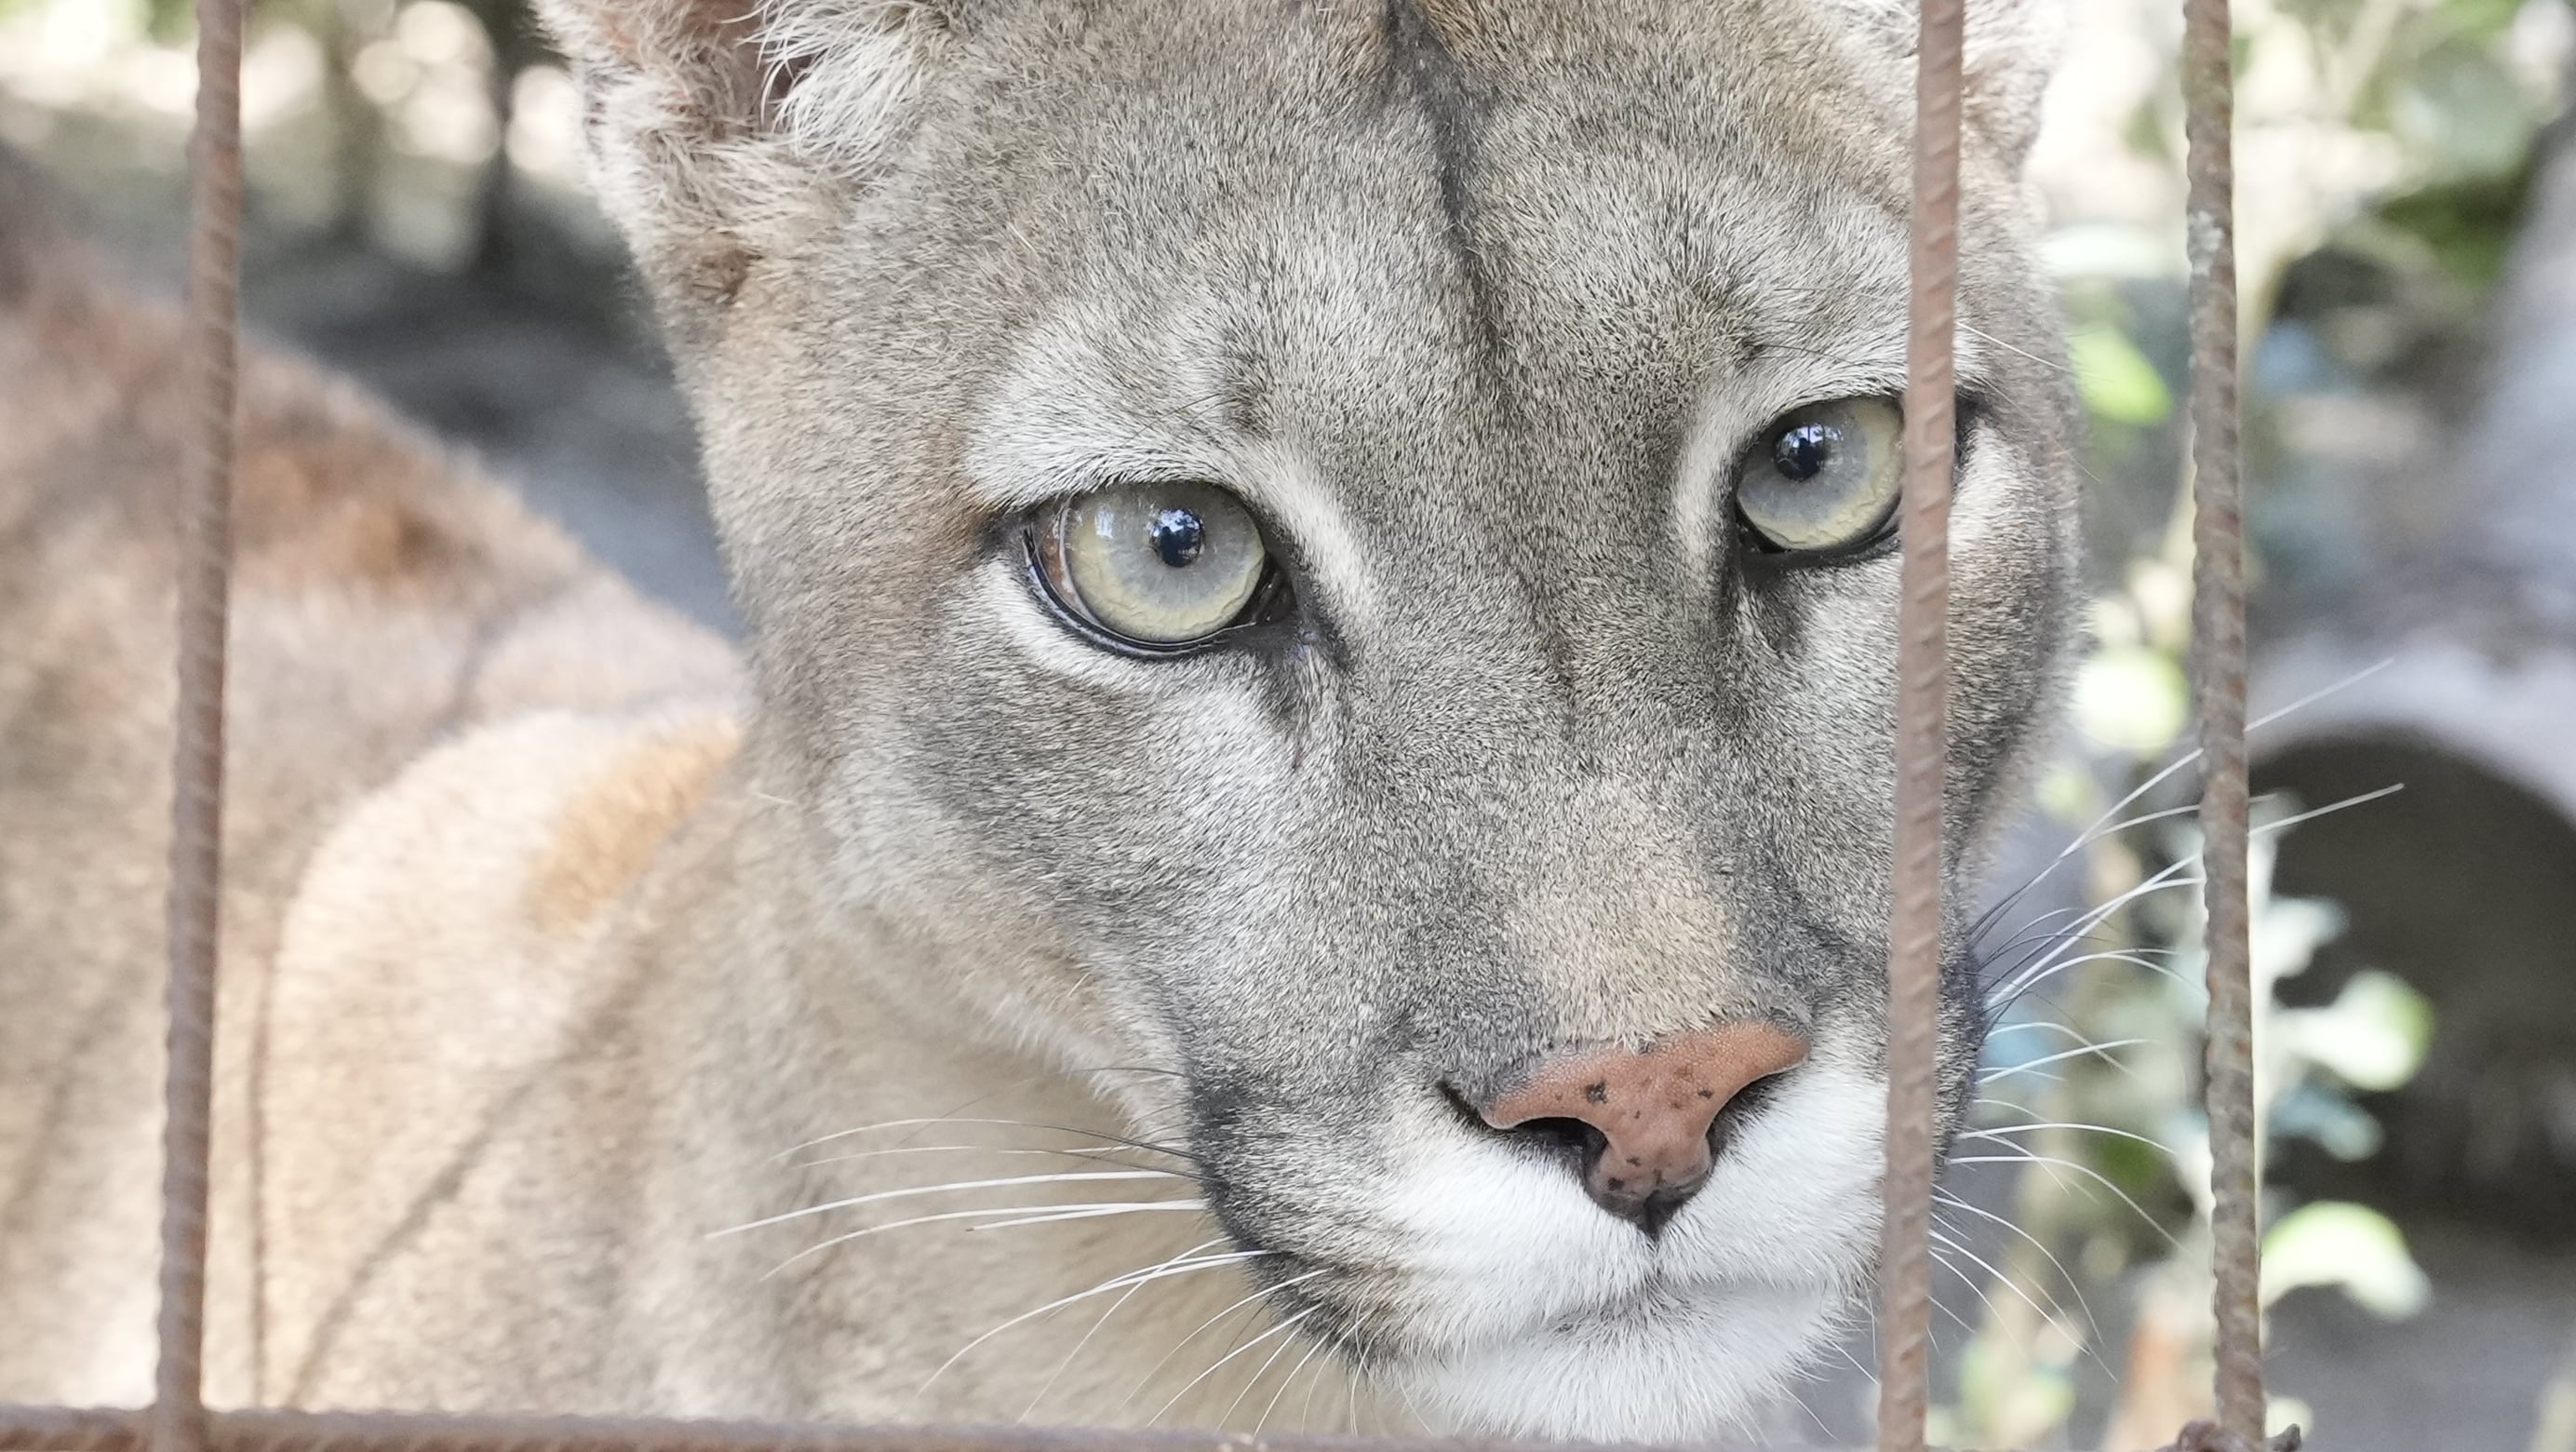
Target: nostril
{"x": 1643, "y": 1127}
{"x": 1571, "y": 1135}
{"x": 1747, "y": 1102}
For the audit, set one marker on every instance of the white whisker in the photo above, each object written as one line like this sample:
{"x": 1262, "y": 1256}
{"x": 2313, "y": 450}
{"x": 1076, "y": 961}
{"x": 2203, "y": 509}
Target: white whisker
{"x": 2002, "y": 1133}
{"x": 1104, "y": 1319}
{"x": 2052, "y": 1312}
{"x": 1112, "y": 1284}
{"x": 926, "y": 1121}
{"x": 1089, "y": 1212}
{"x": 1036, "y": 1214}
{"x": 1104, "y": 1153}
{"x": 2027, "y": 1158}
{"x": 2091, "y": 833}
{"x": 1201, "y": 1329}
{"x": 2048, "y": 970}
{"x": 2101, "y": 1051}
{"x": 1313, "y": 1349}
{"x": 1073, "y": 1177}
{"x": 2166, "y": 878}
{"x": 1255, "y": 1380}
{"x": 2037, "y": 1244}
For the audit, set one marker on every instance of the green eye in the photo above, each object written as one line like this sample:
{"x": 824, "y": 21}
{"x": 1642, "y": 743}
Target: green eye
{"x": 1156, "y": 566}
{"x": 1825, "y": 477}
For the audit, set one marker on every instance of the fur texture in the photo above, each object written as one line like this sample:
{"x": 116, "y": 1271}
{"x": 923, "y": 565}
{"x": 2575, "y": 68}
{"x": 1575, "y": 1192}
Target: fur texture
{"x": 548, "y": 938}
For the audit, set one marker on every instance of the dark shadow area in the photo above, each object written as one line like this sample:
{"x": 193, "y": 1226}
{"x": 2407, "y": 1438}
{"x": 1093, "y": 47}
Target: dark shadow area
{"x": 2460, "y": 884}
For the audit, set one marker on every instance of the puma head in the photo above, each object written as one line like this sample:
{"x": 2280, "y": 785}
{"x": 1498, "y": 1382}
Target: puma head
{"x": 1343, "y": 551}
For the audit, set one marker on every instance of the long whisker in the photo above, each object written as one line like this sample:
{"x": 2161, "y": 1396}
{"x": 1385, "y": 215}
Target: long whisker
{"x": 2027, "y": 1158}
{"x": 1267, "y": 1362}
{"x": 1112, "y": 1284}
{"x": 2016, "y": 980}
{"x": 909, "y": 1192}
{"x": 1944, "y": 1307}
{"x": 2047, "y": 971}
{"x": 2002, "y": 1133}
{"x": 1954, "y": 1202}
{"x": 1992, "y": 917}
{"x": 1857, "y": 1366}
{"x": 2088, "y": 836}
{"x": 2101, "y": 1051}
{"x": 1104, "y": 1319}
{"x": 925, "y": 1121}
{"x": 1036, "y": 1214}
{"x": 2051, "y": 1312}
{"x": 1313, "y": 1349}
{"x": 1088, "y": 1212}
{"x": 1341, "y": 1358}
{"x": 977, "y": 1149}
{"x": 2166, "y": 878}
{"x": 1201, "y": 1329}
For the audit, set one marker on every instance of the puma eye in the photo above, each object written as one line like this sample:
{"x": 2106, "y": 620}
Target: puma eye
{"x": 1824, "y": 478}
{"x": 1157, "y": 567}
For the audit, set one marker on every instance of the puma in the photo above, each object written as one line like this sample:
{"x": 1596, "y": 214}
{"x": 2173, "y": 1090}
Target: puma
{"x": 1300, "y": 833}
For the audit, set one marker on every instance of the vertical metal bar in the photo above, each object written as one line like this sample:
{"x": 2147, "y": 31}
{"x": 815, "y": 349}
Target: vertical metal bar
{"x": 178, "y": 1418}
{"x": 1914, "y": 929}
{"x": 2218, "y": 685}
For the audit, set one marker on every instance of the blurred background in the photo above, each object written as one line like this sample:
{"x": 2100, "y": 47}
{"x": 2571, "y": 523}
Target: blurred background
{"x": 2407, "y": 192}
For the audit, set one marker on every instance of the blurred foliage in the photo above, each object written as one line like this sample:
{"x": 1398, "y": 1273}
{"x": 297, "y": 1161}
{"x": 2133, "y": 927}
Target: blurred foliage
{"x": 2385, "y": 148}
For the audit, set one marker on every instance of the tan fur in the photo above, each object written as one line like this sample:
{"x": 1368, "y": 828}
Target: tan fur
{"x": 479, "y": 863}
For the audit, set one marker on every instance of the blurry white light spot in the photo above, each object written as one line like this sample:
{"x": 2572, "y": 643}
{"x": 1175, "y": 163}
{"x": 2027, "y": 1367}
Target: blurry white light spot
{"x": 545, "y": 124}
{"x": 440, "y": 33}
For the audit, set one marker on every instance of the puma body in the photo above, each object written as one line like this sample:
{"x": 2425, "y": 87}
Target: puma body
{"x": 612, "y": 1025}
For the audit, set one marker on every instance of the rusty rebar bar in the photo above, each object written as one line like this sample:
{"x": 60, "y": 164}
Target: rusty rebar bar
{"x": 66, "y": 1429}
{"x": 177, "y": 1421}
{"x": 2218, "y": 689}
{"x": 1922, "y": 747}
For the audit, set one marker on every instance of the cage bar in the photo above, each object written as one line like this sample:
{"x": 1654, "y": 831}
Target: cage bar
{"x": 1923, "y": 683}
{"x": 2218, "y": 692}
{"x": 178, "y": 1417}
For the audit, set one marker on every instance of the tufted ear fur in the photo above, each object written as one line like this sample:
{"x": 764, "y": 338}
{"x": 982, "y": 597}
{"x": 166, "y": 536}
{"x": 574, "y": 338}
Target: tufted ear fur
{"x": 713, "y": 123}
{"x": 2011, "y": 52}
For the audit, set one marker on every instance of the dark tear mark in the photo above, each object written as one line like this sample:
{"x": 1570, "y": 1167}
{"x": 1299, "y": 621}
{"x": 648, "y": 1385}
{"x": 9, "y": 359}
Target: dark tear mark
{"x": 1431, "y": 78}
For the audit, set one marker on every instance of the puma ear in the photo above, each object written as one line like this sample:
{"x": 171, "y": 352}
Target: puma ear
{"x": 715, "y": 125}
{"x": 2010, "y": 54}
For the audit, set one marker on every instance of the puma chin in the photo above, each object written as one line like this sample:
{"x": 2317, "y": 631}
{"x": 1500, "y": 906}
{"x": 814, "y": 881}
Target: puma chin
{"x": 1494, "y": 1296}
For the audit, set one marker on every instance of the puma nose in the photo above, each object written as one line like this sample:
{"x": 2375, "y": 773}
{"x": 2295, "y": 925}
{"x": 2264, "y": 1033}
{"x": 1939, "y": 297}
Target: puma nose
{"x": 1642, "y": 1119}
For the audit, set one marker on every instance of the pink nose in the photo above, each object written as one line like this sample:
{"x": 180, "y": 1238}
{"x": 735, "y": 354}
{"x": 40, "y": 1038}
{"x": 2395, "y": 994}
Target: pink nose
{"x": 1642, "y": 1119}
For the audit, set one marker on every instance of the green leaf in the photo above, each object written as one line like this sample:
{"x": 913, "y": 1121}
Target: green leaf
{"x": 2373, "y": 1036}
{"x": 2350, "y": 1247}
{"x": 2116, "y": 380}
{"x": 2131, "y": 698}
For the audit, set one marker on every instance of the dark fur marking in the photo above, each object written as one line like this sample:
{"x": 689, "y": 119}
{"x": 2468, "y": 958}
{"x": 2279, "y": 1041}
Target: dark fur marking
{"x": 1431, "y": 78}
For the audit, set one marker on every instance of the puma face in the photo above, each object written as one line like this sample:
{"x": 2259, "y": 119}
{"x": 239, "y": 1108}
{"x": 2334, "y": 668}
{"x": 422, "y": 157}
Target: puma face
{"x": 1346, "y": 553}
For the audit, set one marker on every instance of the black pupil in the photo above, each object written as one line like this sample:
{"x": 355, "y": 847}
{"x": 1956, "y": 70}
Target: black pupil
{"x": 1178, "y": 536}
{"x": 1802, "y": 452}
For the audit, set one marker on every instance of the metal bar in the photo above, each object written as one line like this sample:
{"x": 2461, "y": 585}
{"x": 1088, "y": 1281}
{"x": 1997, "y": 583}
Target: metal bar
{"x": 1914, "y": 927}
{"x": 65, "y": 1429}
{"x": 178, "y": 1417}
{"x": 2218, "y": 687}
